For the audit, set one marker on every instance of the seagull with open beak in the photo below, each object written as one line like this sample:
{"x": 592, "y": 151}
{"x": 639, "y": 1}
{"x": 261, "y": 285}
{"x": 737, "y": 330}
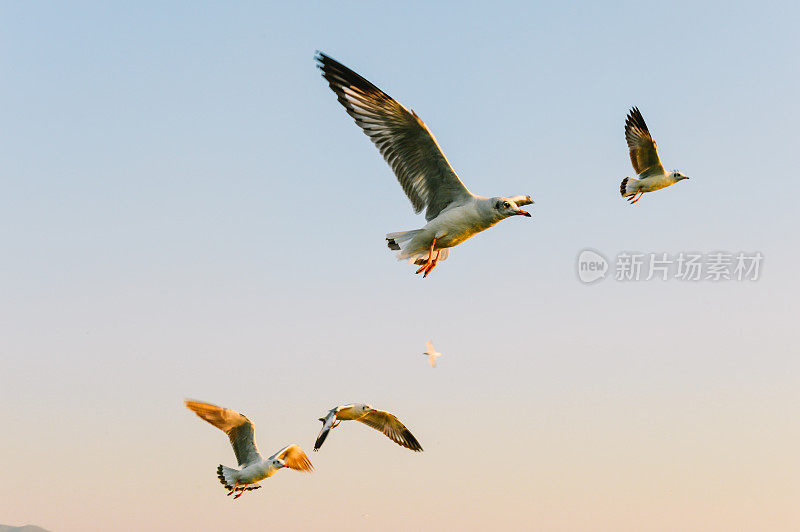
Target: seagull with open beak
{"x": 454, "y": 214}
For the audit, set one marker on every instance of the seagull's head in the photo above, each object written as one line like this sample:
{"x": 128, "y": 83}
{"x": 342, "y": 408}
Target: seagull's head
{"x": 364, "y": 408}
{"x": 506, "y": 207}
{"x": 677, "y": 176}
{"x": 277, "y": 463}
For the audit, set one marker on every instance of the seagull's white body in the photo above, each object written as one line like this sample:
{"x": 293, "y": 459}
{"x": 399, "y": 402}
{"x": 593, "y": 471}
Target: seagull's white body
{"x": 432, "y": 354}
{"x": 454, "y": 214}
{"x": 255, "y": 472}
{"x": 451, "y": 227}
{"x": 651, "y": 183}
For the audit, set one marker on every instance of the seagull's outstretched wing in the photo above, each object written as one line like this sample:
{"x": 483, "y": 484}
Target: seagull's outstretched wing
{"x": 294, "y": 457}
{"x": 402, "y": 138}
{"x": 391, "y": 426}
{"x": 327, "y": 423}
{"x": 238, "y": 428}
{"x": 644, "y": 156}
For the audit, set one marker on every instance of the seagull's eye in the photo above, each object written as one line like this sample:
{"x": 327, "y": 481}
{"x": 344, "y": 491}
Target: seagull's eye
{"x": 506, "y": 205}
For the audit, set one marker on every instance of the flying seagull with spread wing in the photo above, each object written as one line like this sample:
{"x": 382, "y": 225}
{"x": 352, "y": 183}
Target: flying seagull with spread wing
{"x": 377, "y": 419}
{"x": 453, "y": 213}
{"x": 254, "y": 468}
{"x": 650, "y": 174}
{"x": 431, "y": 353}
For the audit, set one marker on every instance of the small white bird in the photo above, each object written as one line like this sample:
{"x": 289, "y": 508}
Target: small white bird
{"x": 377, "y": 419}
{"x": 453, "y": 213}
{"x": 431, "y": 353}
{"x": 644, "y": 157}
{"x": 254, "y": 468}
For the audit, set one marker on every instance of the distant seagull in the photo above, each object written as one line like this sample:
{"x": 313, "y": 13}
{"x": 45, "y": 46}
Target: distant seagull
{"x": 432, "y": 354}
{"x": 651, "y": 175}
{"x": 254, "y": 468}
{"x": 377, "y": 419}
{"x": 453, "y": 213}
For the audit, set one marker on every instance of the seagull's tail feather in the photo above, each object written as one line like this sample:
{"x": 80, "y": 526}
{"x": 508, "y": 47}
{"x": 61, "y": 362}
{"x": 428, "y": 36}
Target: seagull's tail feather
{"x": 226, "y": 476}
{"x": 628, "y": 187}
{"x": 393, "y": 240}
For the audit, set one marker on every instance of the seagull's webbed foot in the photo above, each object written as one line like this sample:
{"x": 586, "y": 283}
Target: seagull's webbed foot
{"x": 429, "y": 268}
{"x": 242, "y": 489}
{"x": 430, "y": 263}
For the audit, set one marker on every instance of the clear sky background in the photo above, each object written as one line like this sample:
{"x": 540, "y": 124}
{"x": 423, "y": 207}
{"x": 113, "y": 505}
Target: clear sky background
{"x": 186, "y": 211}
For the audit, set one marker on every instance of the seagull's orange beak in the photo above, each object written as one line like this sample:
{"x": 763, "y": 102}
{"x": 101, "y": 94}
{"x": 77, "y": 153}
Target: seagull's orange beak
{"x": 524, "y": 213}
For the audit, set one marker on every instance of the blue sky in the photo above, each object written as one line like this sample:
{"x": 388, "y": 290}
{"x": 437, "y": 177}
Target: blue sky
{"x": 187, "y": 211}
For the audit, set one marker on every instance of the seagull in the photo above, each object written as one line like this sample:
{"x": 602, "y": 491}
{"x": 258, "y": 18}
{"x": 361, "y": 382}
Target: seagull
{"x": 650, "y": 174}
{"x": 377, "y": 419}
{"x": 453, "y": 213}
{"x": 432, "y": 354}
{"x": 254, "y": 468}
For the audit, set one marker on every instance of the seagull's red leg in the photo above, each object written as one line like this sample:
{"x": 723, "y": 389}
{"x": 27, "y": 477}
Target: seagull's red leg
{"x": 241, "y": 492}
{"x": 430, "y": 259}
{"x": 336, "y": 423}
{"x": 637, "y": 199}
{"x": 432, "y": 264}
{"x": 233, "y": 489}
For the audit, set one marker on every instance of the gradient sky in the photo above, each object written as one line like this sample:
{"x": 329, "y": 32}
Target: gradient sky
{"x": 186, "y": 211}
